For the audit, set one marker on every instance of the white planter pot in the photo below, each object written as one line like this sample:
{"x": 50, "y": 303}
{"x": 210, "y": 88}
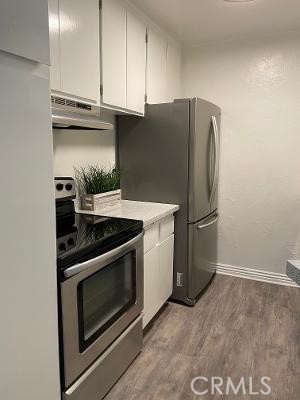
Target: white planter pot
{"x": 96, "y": 202}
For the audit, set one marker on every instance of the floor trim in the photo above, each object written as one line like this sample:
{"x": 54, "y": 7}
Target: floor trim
{"x": 255, "y": 274}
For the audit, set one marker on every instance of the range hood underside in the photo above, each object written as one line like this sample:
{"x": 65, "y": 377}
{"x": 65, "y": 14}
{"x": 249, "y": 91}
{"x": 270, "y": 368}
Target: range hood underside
{"x": 70, "y": 120}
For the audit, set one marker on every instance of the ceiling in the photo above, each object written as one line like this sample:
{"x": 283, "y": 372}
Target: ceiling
{"x": 196, "y": 21}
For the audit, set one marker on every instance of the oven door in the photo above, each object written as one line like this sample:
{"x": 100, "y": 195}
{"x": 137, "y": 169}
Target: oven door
{"x": 99, "y": 299}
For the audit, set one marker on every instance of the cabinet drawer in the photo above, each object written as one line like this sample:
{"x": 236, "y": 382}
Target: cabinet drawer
{"x": 166, "y": 228}
{"x": 151, "y": 237}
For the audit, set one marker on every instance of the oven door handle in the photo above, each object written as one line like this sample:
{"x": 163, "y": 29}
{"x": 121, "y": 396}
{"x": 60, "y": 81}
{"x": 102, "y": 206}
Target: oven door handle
{"x": 77, "y": 268}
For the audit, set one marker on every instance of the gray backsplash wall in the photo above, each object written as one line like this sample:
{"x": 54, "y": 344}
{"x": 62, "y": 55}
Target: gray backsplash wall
{"x": 76, "y": 148}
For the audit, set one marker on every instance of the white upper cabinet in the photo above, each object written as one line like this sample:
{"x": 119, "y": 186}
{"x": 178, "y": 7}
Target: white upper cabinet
{"x": 123, "y": 55}
{"x": 129, "y": 67}
{"x": 74, "y": 48}
{"x": 173, "y": 72}
{"x": 156, "y": 68}
{"x": 113, "y": 53}
{"x": 136, "y": 63}
{"x": 23, "y": 30}
{"x": 79, "y": 48}
{"x": 54, "y": 44}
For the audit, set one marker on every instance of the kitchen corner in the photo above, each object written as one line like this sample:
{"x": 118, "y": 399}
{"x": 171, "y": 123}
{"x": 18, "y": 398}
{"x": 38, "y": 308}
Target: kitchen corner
{"x": 150, "y": 244}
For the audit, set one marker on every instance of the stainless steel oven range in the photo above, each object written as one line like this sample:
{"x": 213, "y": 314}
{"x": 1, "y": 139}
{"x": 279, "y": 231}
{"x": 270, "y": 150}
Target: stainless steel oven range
{"x": 100, "y": 271}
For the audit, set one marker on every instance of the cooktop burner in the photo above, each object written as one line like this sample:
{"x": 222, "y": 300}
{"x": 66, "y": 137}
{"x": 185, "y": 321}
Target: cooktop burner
{"x": 80, "y": 237}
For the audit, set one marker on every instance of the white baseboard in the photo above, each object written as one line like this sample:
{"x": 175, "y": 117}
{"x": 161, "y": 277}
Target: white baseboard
{"x": 255, "y": 275}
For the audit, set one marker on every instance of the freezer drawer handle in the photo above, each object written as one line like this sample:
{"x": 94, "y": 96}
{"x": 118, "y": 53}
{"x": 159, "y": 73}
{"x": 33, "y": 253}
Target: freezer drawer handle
{"x": 209, "y": 223}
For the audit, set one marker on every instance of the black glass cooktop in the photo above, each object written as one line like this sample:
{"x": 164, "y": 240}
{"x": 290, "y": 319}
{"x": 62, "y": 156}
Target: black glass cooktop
{"x": 80, "y": 237}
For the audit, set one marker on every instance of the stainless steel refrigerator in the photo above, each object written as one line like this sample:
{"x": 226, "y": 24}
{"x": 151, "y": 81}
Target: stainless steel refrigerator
{"x": 172, "y": 156}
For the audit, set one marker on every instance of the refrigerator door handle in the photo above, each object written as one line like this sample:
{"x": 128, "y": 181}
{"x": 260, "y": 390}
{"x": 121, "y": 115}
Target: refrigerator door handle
{"x": 210, "y": 166}
{"x": 216, "y": 135}
{"x": 209, "y": 223}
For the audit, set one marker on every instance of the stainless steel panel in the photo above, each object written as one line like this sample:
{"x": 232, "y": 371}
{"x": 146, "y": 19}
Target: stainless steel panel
{"x": 202, "y": 254}
{"x": 202, "y": 159}
{"x": 153, "y": 153}
{"x": 102, "y": 375}
{"x": 75, "y": 362}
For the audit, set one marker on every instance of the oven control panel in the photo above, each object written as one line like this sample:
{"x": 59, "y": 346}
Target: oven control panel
{"x": 66, "y": 243}
{"x": 64, "y": 188}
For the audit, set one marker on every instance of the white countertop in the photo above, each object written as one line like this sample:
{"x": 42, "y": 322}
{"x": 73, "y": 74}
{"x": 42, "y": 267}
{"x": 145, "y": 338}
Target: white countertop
{"x": 147, "y": 212}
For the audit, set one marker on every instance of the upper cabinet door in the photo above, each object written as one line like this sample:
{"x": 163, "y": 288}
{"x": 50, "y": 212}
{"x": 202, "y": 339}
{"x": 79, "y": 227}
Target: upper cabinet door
{"x": 156, "y": 68}
{"x": 54, "y": 44}
{"x": 173, "y": 72}
{"x": 113, "y": 35}
{"x": 136, "y": 63}
{"x": 79, "y": 48}
{"x": 24, "y": 29}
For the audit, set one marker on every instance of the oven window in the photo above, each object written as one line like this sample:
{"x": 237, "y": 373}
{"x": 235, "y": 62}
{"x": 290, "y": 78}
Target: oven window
{"x": 104, "y": 296}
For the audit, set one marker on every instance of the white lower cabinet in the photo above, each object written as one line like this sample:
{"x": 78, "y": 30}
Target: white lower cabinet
{"x": 158, "y": 266}
{"x": 151, "y": 291}
{"x": 165, "y": 254}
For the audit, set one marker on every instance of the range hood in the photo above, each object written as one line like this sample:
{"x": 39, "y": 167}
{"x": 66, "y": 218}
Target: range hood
{"x": 70, "y": 114}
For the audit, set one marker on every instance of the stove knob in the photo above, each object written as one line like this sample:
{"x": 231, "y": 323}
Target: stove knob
{"x": 62, "y": 247}
{"x": 69, "y": 187}
{"x": 59, "y": 187}
{"x": 71, "y": 242}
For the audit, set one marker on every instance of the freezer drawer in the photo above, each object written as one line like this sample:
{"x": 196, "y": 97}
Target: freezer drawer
{"x": 202, "y": 254}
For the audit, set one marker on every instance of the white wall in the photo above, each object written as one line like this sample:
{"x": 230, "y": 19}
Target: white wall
{"x": 29, "y": 366}
{"x": 76, "y": 148}
{"x": 256, "y": 82}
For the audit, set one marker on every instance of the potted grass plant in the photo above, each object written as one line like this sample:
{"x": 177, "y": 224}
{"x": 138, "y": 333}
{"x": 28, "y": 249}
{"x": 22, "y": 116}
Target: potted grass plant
{"x": 98, "y": 187}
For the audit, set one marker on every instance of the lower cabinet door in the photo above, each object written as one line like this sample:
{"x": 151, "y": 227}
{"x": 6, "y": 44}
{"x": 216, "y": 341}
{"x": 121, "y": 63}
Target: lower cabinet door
{"x": 166, "y": 249}
{"x": 158, "y": 277}
{"x": 151, "y": 288}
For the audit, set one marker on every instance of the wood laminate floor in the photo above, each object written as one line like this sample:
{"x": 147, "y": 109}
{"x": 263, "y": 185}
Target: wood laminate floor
{"x": 239, "y": 328}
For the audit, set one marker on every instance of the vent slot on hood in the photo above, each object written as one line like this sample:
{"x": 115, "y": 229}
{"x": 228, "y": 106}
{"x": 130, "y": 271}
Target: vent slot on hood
{"x": 70, "y": 103}
{"x": 72, "y": 114}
